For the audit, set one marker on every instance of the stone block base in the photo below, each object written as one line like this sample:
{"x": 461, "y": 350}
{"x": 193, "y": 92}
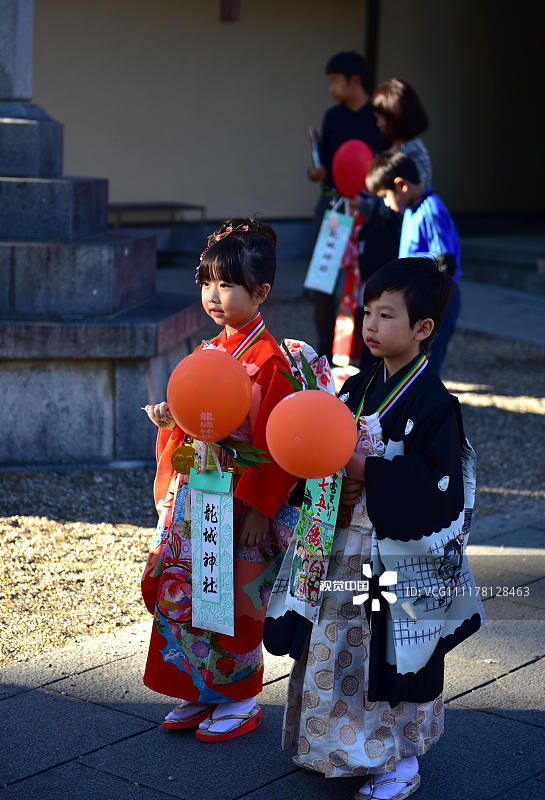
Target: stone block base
{"x": 98, "y": 275}
{"x": 75, "y": 395}
{"x": 52, "y": 208}
{"x": 71, "y": 412}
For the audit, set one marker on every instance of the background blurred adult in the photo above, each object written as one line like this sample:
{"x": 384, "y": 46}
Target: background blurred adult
{"x": 401, "y": 118}
{"x": 351, "y": 118}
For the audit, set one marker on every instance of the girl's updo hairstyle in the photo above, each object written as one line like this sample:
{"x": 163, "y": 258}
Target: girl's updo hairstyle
{"x": 246, "y": 255}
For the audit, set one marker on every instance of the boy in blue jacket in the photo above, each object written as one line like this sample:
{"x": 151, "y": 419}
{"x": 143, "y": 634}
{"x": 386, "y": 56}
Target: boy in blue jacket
{"x": 427, "y": 228}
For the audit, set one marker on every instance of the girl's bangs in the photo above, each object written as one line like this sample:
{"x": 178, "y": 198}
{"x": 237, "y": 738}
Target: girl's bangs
{"x": 222, "y": 262}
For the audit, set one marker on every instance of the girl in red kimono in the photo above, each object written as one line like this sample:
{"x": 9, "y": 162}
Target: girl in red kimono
{"x": 218, "y": 676}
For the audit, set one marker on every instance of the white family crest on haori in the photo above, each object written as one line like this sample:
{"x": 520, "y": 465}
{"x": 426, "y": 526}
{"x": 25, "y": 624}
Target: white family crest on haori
{"x": 443, "y": 483}
{"x": 409, "y": 426}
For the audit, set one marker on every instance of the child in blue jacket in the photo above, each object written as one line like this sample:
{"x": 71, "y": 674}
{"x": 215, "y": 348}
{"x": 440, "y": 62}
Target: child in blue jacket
{"x": 427, "y": 229}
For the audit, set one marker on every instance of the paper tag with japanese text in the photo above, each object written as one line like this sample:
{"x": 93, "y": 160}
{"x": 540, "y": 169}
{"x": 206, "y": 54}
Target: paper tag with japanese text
{"x": 212, "y": 599}
{"x": 328, "y": 252}
{"x": 313, "y": 538}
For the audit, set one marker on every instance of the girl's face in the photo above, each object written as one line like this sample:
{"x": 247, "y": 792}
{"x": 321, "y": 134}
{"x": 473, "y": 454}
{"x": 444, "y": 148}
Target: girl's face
{"x": 383, "y": 124}
{"x": 231, "y": 304}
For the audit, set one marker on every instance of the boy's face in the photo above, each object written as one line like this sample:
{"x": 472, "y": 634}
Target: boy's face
{"x": 398, "y": 198}
{"x": 387, "y": 330}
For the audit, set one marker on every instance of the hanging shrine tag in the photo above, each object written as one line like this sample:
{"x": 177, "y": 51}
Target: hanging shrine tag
{"x": 328, "y": 252}
{"x": 212, "y": 551}
{"x": 313, "y": 538}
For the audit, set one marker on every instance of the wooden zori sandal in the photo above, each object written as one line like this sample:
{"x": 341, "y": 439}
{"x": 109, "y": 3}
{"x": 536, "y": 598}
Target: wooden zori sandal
{"x": 249, "y": 722}
{"x": 410, "y": 787}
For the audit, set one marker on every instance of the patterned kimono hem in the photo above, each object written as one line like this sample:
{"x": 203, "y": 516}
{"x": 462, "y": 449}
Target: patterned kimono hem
{"x": 337, "y": 730}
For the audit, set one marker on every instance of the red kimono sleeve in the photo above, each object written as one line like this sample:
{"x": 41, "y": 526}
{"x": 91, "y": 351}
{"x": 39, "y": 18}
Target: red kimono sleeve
{"x": 167, "y": 442}
{"x": 267, "y": 486}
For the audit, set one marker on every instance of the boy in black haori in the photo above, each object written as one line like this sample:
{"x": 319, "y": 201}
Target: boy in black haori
{"x": 364, "y": 696}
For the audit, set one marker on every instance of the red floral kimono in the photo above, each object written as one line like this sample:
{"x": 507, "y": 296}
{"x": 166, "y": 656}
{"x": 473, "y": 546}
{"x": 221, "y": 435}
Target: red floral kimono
{"x": 191, "y": 663}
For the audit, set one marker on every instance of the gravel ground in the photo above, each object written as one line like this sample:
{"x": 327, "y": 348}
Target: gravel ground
{"x": 74, "y": 542}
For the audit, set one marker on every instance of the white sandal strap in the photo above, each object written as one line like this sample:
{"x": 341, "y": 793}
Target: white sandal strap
{"x": 373, "y": 785}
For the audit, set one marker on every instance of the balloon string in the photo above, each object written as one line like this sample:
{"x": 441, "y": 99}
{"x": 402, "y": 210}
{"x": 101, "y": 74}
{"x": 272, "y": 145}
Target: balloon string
{"x": 201, "y": 451}
{"x": 216, "y": 460}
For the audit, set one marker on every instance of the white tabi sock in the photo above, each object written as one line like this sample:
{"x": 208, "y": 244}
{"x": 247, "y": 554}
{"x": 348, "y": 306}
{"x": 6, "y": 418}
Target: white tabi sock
{"x": 405, "y": 772}
{"x": 185, "y": 710}
{"x": 222, "y": 709}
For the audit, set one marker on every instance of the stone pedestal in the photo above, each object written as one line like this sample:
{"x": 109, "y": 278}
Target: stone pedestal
{"x": 99, "y": 275}
{"x": 84, "y": 341}
{"x": 76, "y": 388}
{"x": 30, "y": 141}
{"x": 16, "y": 45}
{"x": 53, "y": 208}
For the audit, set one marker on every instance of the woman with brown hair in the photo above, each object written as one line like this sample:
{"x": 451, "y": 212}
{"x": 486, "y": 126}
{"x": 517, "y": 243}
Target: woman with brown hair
{"x": 401, "y": 118}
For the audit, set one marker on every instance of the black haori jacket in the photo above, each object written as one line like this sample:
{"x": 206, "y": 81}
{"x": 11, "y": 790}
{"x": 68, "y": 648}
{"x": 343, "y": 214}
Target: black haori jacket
{"x": 419, "y": 499}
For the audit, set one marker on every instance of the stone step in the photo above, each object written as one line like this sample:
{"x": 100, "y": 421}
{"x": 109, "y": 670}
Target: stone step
{"x": 508, "y": 249}
{"x": 508, "y": 260}
{"x": 101, "y": 274}
{"x": 524, "y": 278}
{"x": 148, "y": 330}
{"x": 52, "y": 208}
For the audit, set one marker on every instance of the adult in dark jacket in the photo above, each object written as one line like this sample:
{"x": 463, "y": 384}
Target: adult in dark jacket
{"x": 351, "y": 118}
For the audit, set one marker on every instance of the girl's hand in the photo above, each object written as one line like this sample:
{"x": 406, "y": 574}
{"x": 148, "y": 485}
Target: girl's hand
{"x": 160, "y": 416}
{"x": 255, "y": 529}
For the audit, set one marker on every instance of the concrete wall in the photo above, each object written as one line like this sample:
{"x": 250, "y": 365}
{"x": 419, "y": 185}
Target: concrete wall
{"x": 478, "y": 67}
{"x": 169, "y": 103}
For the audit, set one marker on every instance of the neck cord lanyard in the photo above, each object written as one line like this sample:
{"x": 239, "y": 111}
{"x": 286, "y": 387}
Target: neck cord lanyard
{"x": 396, "y": 393}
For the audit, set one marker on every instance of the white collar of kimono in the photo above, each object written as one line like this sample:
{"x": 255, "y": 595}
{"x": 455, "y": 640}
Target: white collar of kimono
{"x": 246, "y": 323}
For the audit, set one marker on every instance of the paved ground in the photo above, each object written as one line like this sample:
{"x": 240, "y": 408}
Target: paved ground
{"x": 502, "y": 312}
{"x": 79, "y": 722}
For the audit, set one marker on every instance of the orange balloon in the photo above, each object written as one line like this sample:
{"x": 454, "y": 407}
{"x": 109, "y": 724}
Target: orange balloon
{"x": 209, "y": 394}
{"x": 311, "y": 434}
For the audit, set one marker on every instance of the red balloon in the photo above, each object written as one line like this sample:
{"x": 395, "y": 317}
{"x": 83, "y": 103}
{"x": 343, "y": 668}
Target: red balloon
{"x": 311, "y": 434}
{"x": 209, "y": 394}
{"x": 350, "y": 164}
